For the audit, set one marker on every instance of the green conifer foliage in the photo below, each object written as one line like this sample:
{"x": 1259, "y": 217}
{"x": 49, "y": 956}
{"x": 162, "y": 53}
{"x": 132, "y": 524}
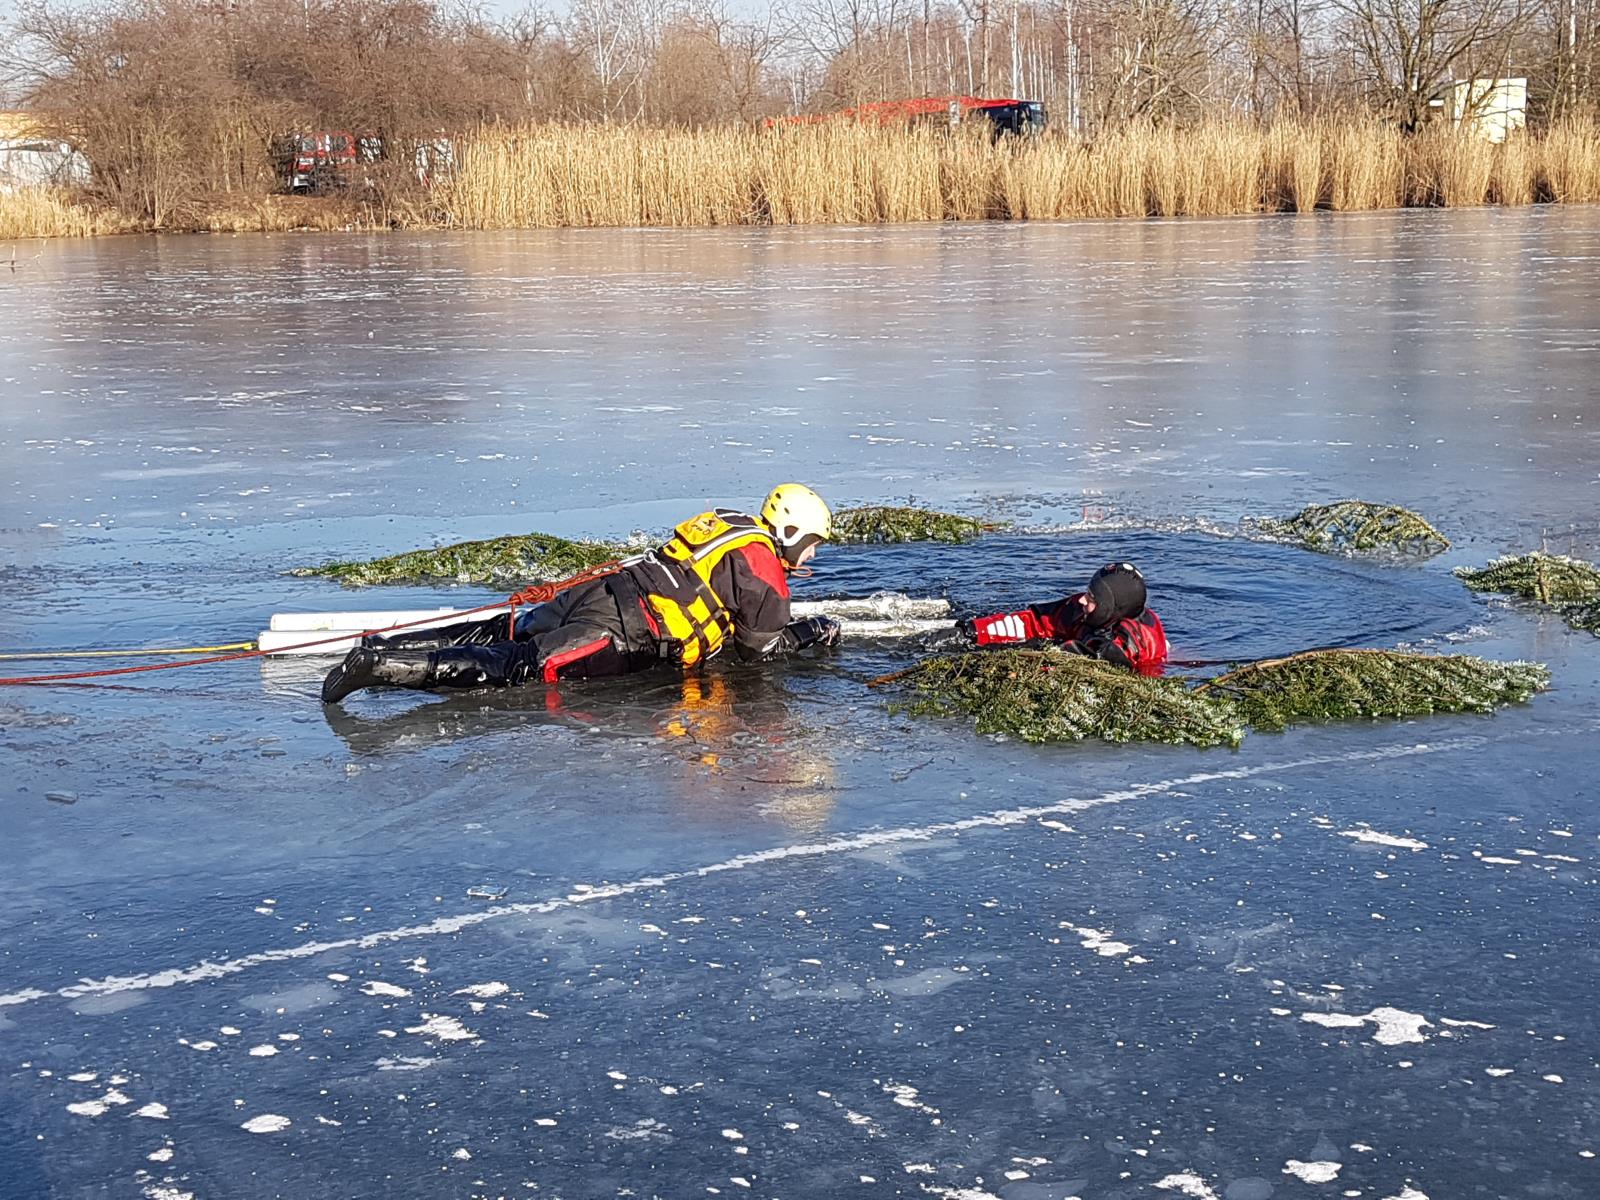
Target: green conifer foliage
{"x": 521, "y": 558}
{"x": 1344, "y": 685}
{"x": 883, "y": 523}
{"x": 1547, "y": 578}
{"x": 1356, "y": 525}
{"x": 1583, "y": 616}
{"x": 1047, "y": 695}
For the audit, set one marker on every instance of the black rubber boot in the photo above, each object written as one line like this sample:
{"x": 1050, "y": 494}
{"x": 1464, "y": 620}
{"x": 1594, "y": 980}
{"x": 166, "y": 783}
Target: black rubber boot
{"x": 364, "y": 667}
{"x": 473, "y": 666}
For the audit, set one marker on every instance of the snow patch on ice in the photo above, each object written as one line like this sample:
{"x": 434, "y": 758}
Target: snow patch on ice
{"x": 644, "y": 1130}
{"x": 406, "y": 1062}
{"x": 1312, "y": 1172}
{"x": 1187, "y": 1183}
{"x": 1395, "y": 1026}
{"x": 266, "y": 1123}
{"x": 444, "y": 1028}
{"x": 907, "y": 1096}
{"x": 484, "y": 991}
{"x": 1098, "y": 940}
{"x": 378, "y": 988}
{"x": 1373, "y": 837}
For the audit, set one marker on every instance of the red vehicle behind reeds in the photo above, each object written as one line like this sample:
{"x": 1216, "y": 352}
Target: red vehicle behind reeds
{"x": 324, "y": 161}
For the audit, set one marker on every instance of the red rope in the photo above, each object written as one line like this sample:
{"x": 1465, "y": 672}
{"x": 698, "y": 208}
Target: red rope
{"x": 537, "y": 593}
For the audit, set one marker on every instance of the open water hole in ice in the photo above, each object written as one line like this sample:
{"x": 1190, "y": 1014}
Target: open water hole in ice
{"x": 759, "y": 934}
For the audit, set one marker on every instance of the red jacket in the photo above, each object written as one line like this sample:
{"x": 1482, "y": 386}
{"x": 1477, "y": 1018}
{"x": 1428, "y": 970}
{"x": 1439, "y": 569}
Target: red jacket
{"x": 1137, "y": 642}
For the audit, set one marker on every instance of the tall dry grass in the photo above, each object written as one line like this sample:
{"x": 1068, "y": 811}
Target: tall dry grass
{"x": 1570, "y": 153}
{"x": 48, "y": 213}
{"x": 569, "y": 175}
{"x": 1514, "y": 179}
{"x": 572, "y": 175}
{"x": 1447, "y": 170}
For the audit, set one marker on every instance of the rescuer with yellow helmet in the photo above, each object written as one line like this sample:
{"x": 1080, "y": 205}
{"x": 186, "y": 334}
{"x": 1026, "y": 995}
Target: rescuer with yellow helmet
{"x": 721, "y": 578}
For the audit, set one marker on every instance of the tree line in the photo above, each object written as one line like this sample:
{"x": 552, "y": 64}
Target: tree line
{"x": 173, "y": 100}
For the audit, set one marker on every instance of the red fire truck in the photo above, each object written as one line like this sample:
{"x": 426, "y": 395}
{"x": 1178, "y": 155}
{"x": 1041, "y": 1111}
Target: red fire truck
{"x": 323, "y": 161}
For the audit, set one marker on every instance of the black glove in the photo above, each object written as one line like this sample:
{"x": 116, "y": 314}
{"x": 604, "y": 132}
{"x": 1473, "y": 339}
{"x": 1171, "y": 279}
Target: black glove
{"x": 814, "y": 631}
{"x": 1106, "y": 649}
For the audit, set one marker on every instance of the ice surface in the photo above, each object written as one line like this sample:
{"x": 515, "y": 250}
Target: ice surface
{"x": 757, "y": 900}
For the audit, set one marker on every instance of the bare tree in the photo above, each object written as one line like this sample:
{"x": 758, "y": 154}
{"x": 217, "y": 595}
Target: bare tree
{"x": 1406, "y": 50}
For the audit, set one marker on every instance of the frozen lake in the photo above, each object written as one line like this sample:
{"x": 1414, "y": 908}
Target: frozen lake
{"x": 761, "y": 935}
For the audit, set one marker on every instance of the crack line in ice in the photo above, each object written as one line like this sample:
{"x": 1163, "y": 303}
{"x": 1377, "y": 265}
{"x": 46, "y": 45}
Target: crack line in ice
{"x": 586, "y": 894}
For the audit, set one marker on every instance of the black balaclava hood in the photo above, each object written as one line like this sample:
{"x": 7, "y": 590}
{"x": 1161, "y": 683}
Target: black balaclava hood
{"x": 1118, "y": 592}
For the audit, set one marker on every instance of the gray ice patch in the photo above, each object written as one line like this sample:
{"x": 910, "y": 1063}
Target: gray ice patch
{"x": 924, "y": 983}
{"x": 110, "y": 1002}
{"x": 305, "y": 998}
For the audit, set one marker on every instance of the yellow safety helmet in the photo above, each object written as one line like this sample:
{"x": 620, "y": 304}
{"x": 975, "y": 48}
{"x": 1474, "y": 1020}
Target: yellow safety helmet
{"x": 798, "y": 518}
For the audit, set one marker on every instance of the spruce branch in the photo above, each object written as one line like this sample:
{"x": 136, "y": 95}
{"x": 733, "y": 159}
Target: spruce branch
{"x": 1344, "y": 685}
{"x": 1356, "y": 525}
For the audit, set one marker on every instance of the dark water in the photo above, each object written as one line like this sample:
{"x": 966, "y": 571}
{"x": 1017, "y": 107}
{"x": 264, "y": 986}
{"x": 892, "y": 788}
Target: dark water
{"x": 759, "y": 934}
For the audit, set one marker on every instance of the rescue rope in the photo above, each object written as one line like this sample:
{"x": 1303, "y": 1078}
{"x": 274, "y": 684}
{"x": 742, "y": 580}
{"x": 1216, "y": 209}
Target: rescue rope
{"x": 37, "y": 654}
{"x": 542, "y": 593}
{"x": 538, "y": 593}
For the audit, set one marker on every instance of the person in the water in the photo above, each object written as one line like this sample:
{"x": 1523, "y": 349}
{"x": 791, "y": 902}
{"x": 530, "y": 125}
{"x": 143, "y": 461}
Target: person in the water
{"x": 1107, "y": 620}
{"x": 722, "y": 577}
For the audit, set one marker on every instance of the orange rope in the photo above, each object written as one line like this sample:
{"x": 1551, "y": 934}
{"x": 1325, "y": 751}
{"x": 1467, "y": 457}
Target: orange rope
{"x": 537, "y": 593}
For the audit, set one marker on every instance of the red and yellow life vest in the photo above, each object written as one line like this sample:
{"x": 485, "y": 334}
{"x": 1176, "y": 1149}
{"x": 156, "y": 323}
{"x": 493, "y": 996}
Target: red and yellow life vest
{"x": 680, "y": 592}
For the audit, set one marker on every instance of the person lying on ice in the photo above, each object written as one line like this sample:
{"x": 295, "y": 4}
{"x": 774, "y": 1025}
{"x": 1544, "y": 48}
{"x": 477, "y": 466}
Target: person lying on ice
{"x": 722, "y": 577}
{"x": 1107, "y": 620}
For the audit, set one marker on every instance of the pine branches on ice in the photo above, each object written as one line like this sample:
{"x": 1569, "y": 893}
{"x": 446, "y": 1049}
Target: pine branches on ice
{"x": 1345, "y": 685}
{"x": 1583, "y": 616}
{"x": 1547, "y": 578}
{"x": 1048, "y": 695}
{"x": 504, "y": 560}
{"x": 886, "y": 523}
{"x": 541, "y": 556}
{"x": 1569, "y": 585}
{"x": 1356, "y": 525}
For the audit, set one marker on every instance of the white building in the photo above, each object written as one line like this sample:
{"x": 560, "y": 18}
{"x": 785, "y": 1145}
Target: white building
{"x": 1492, "y": 108}
{"x": 30, "y": 159}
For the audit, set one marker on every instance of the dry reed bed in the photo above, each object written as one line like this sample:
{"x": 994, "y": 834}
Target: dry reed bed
{"x": 45, "y": 212}
{"x": 584, "y": 176}
{"x": 555, "y": 175}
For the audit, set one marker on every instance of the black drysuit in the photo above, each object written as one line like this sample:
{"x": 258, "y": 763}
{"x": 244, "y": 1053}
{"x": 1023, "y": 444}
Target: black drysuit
{"x": 605, "y": 627}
